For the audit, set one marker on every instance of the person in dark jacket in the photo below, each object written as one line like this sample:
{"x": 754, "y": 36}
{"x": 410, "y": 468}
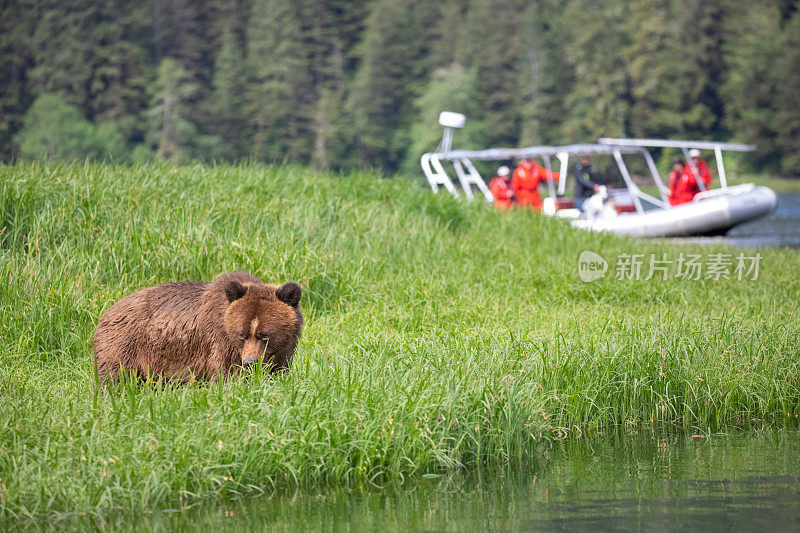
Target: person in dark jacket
{"x": 587, "y": 181}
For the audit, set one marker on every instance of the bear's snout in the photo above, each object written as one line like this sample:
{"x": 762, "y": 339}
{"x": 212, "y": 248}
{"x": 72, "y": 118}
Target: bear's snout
{"x": 252, "y": 351}
{"x": 250, "y": 361}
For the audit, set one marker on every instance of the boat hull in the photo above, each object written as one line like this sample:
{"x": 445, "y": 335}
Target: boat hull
{"x": 709, "y": 216}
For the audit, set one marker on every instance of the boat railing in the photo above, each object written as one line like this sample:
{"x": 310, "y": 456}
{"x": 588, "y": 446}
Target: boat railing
{"x": 468, "y": 176}
{"x": 685, "y": 146}
{"x": 727, "y": 191}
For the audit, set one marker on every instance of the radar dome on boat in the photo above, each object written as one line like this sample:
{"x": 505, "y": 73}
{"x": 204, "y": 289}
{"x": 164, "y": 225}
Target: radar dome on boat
{"x": 448, "y": 119}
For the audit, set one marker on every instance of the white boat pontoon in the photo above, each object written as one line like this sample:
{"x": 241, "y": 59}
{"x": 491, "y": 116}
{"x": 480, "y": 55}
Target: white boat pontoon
{"x": 627, "y": 211}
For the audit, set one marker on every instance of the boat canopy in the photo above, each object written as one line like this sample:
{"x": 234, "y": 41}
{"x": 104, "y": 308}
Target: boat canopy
{"x": 469, "y": 177}
{"x": 668, "y": 143}
{"x": 499, "y": 154}
{"x": 685, "y": 146}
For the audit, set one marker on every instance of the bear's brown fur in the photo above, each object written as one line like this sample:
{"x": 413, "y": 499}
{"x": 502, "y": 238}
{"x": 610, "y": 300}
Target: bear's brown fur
{"x": 179, "y": 330}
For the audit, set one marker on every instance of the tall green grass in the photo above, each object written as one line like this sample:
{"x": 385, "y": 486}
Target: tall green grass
{"x": 440, "y": 337}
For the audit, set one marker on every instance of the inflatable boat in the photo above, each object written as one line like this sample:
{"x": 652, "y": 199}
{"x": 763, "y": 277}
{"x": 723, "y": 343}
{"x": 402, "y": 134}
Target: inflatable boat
{"x": 628, "y": 211}
{"x": 706, "y": 215}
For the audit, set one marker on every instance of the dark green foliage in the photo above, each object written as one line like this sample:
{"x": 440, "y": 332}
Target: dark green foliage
{"x": 339, "y": 84}
{"x": 53, "y": 129}
{"x": 547, "y": 75}
{"x": 394, "y": 60}
{"x": 278, "y": 95}
{"x": 753, "y": 82}
{"x": 493, "y": 48}
{"x": 171, "y": 132}
{"x": 15, "y": 60}
{"x": 331, "y": 29}
{"x": 228, "y": 96}
{"x": 787, "y": 116}
{"x": 597, "y": 103}
{"x": 451, "y": 88}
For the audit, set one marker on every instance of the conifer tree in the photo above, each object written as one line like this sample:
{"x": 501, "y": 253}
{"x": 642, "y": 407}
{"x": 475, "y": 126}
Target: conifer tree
{"x": 92, "y": 54}
{"x": 451, "y": 88}
{"x": 756, "y": 46}
{"x": 330, "y": 29}
{"x": 120, "y": 73}
{"x": 676, "y": 68}
{"x": 787, "y": 113}
{"x": 597, "y": 104}
{"x": 278, "y": 91}
{"x": 171, "y": 132}
{"x": 228, "y": 96}
{"x": 547, "y": 75}
{"x": 491, "y": 45}
{"x": 346, "y": 83}
{"x": 181, "y": 31}
{"x": 64, "y": 50}
{"x": 16, "y": 26}
{"x": 394, "y": 61}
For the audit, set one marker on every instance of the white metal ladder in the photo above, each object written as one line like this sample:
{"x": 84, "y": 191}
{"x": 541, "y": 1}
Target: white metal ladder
{"x": 468, "y": 176}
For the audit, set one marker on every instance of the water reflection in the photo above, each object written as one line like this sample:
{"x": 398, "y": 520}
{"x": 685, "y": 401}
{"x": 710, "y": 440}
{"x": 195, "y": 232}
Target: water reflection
{"x": 782, "y": 228}
{"x": 745, "y": 481}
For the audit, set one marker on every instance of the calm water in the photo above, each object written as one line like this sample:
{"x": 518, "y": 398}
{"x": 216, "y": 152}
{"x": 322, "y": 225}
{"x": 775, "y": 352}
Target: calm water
{"x": 749, "y": 482}
{"x": 782, "y": 228}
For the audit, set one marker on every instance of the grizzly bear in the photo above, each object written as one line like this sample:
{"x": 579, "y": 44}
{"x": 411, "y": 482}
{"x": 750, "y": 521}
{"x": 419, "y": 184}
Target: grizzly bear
{"x": 200, "y": 330}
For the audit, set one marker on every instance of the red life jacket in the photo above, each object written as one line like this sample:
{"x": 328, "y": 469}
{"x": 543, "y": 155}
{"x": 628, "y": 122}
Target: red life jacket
{"x": 683, "y": 188}
{"x": 526, "y": 180}
{"x": 503, "y": 195}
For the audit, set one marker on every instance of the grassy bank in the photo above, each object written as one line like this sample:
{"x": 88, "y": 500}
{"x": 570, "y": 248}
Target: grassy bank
{"x": 777, "y": 184}
{"x": 441, "y": 336}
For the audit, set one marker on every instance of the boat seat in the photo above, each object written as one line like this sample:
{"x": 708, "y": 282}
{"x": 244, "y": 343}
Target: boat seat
{"x": 564, "y": 202}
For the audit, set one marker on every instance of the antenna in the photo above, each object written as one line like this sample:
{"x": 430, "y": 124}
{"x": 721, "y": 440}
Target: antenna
{"x": 450, "y": 121}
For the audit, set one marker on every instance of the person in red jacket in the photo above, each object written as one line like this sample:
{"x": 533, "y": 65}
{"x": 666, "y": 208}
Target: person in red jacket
{"x": 501, "y": 188}
{"x": 701, "y": 166}
{"x": 674, "y": 178}
{"x": 683, "y": 184}
{"x": 525, "y": 183}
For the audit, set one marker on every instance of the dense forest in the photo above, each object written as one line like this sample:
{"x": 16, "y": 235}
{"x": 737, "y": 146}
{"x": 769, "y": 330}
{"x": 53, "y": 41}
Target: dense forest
{"x": 359, "y": 83}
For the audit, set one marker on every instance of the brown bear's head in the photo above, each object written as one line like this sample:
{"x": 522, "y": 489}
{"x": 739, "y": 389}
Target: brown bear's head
{"x": 264, "y": 321}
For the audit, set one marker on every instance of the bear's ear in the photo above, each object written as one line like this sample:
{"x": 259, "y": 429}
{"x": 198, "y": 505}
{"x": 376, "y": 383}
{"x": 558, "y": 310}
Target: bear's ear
{"x": 289, "y": 293}
{"x": 234, "y": 290}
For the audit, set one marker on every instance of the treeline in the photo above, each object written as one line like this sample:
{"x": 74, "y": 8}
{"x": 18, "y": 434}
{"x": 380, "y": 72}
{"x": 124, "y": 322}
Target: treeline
{"x": 346, "y": 83}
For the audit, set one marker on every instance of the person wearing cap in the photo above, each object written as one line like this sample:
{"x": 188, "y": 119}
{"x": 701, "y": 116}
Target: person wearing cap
{"x": 501, "y": 188}
{"x": 587, "y": 181}
{"x": 700, "y": 165}
{"x": 683, "y": 188}
{"x": 526, "y": 180}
